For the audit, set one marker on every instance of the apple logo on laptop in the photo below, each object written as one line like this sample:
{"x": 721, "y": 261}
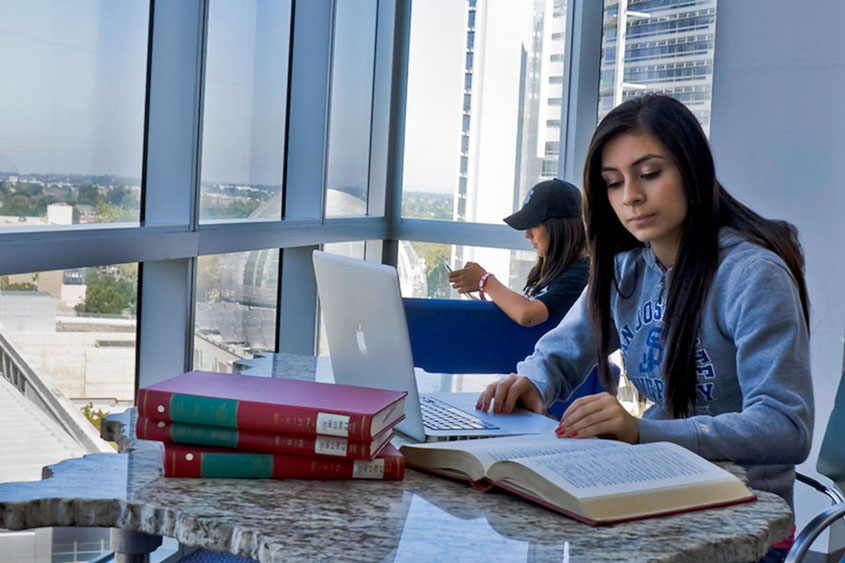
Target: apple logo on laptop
{"x": 359, "y": 339}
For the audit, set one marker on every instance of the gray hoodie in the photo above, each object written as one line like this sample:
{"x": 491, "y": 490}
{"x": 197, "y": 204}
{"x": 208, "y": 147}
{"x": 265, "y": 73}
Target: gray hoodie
{"x": 755, "y": 397}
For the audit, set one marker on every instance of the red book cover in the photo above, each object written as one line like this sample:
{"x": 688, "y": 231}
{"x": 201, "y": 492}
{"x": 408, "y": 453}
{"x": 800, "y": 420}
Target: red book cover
{"x": 280, "y": 406}
{"x": 182, "y": 460}
{"x": 220, "y": 436}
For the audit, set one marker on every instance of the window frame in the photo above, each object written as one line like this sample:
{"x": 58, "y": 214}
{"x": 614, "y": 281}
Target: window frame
{"x": 169, "y": 239}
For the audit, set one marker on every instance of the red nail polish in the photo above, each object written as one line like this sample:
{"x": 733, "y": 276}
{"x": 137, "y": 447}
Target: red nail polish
{"x": 575, "y": 434}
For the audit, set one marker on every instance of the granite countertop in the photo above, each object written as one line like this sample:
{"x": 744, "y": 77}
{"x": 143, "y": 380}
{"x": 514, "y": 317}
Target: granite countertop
{"x": 423, "y": 518}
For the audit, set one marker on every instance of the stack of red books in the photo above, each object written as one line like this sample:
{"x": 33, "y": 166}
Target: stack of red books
{"x": 229, "y": 425}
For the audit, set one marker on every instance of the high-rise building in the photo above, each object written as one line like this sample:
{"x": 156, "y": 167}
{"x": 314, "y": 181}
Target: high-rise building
{"x": 513, "y": 92}
{"x": 667, "y": 49}
{"x": 510, "y": 120}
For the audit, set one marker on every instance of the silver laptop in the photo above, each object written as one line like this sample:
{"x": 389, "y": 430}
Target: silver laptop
{"x": 369, "y": 346}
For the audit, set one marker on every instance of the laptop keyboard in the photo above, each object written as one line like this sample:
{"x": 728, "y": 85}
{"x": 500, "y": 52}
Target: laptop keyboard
{"x": 437, "y": 415}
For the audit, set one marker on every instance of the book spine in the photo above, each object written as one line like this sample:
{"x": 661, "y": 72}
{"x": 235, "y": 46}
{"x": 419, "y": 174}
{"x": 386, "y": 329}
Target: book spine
{"x": 183, "y": 433}
{"x": 184, "y": 461}
{"x": 251, "y": 415}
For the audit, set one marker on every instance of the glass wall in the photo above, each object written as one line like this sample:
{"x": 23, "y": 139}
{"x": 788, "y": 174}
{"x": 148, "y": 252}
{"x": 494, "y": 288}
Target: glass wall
{"x": 245, "y": 95}
{"x": 72, "y": 111}
{"x": 353, "y": 54}
{"x": 484, "y": 100}
{"x": 72, "y": 332}
{"x": 423, "y": 268}
{"x": 483, "y": 106}
{"x": 485, "y": 84}
{"x": 235, "y": 315}
{"x": 76, "y": 328}
{"x": 667, "y": 48}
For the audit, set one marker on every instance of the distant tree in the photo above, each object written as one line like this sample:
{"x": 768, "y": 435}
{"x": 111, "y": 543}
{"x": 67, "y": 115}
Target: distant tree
{"x": 235, "y": 210}
{"x": 105, "y": 294}
{"x": 40, "y": 203}
{"x": 89, "y": 194}
{"x": 31, "y": 188}
{"x": 96, "y": 418}
{"x": 20, "y": 205}
{"x": 129, "y": 271}
{"x": 209, "y": 270}
{"x": 118, "y": 196}
{"x": 107, "y": 213}
{"x": 6, "y": 285}
{"x": 436, "y": 275}
{"x": 426, "y": 205}
{"x": 241, "y": 208}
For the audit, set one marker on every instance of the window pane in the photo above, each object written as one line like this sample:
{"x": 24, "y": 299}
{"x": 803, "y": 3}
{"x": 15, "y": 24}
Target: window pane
{"x": 353, "y": 58}
{"x": 422, "y": 270}
{"x": 72, "y": 108}
{"x": 244, "y": 106}
{"x": 484, "y": 102}
{"x": 76, "y": 327}
{"x": 71, "y": 332}
{"x": 668, "y": 50}
{"x": 235, "y": 307}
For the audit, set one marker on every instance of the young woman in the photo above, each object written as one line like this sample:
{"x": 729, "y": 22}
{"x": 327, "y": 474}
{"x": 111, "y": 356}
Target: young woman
{"x": 551, "y": 219}
{"x": 705, "y": 299}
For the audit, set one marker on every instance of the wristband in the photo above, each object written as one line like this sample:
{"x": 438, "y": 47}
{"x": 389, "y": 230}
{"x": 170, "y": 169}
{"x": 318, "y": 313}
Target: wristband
{"x": 482, "y": 281}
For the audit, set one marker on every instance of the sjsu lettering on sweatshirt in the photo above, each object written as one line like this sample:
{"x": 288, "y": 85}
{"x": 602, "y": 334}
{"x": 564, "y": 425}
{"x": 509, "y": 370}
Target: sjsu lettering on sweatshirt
{"x": 646, "y": 371}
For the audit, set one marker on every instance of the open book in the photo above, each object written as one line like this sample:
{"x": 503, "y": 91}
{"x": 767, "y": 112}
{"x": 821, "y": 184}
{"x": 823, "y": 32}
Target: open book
{"x": 595, "y": 481}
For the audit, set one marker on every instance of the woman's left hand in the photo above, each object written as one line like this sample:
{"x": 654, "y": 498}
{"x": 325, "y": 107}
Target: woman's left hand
{"x": 466, "y": 279}
{"x": 600, "y": 415}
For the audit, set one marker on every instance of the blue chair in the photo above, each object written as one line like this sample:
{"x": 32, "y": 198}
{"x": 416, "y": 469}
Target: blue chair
{"x": 831, "y": 464}
{"x": 456, "y": 336}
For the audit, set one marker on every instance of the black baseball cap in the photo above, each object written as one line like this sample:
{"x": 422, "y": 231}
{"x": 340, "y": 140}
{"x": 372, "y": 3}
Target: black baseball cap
{"x": 552, "y": 198}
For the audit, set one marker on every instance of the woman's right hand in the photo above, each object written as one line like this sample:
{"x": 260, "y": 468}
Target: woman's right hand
{"x": 509, "y": 391}
{"x": 466, "y": 279}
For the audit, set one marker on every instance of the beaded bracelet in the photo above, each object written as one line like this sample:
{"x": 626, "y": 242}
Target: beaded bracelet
{"x": 482, "y": 281}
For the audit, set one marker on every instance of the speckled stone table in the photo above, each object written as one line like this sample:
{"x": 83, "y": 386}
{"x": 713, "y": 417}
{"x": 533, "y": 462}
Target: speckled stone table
{"x": 423, "y": 518}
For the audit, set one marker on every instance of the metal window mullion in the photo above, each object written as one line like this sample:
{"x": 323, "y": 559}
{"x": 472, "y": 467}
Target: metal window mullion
{"x": 171, "y": 186}
{"x": 388, "y": 129}
{"x": 305, "y": 163}
{"x": 455, "y": 232}
{"x": 221, "y": 239}
{"x": 581, "y": 74}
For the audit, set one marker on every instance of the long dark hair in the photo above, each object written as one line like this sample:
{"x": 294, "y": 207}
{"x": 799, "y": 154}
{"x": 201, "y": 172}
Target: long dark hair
{"x": 567, "y": 243}
{"x": 709, "y": 207}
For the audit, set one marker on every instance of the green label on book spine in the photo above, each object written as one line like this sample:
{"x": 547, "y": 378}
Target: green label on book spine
{"x": 206, "y": 435}
{"x": 243, "y": 466}
{"x": 204, "y": 410}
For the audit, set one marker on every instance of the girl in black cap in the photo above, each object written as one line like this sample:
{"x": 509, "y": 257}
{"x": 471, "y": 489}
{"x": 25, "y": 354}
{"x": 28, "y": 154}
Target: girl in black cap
{"x": 551, "y": 219}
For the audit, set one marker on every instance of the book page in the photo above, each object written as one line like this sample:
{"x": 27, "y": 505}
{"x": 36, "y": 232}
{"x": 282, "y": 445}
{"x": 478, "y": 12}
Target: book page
{"x": 490, "y": 450}
{"x": 645, "y": 466}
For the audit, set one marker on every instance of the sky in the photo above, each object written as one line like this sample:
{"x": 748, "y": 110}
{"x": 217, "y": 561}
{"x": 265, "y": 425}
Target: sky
{"x": 72, "y": 78}
{"x": 435, "y": 95}
{"x": 73, "y": 74}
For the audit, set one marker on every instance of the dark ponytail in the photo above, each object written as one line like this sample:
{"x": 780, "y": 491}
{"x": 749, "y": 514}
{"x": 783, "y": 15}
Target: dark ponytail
{"x": 567, "y": 244}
